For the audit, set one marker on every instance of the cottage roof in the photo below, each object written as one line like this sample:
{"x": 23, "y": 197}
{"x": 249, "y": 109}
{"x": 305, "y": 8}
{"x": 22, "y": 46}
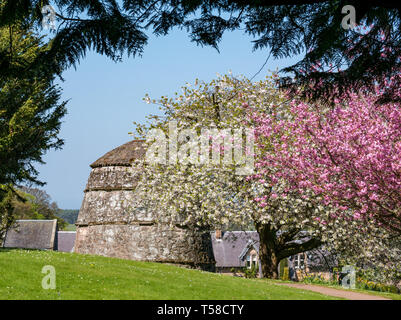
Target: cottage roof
{"x": 32, "y": 234}
{"x": 228, "y": 250}
{"x": 65, "y": 241}
{"x": 252, "y": 244}
{"x": 122, "y": 155}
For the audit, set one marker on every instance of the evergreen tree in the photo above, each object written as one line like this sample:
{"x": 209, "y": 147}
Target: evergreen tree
{"x": 336, "y": 59}
{"x": 30, "y": 114}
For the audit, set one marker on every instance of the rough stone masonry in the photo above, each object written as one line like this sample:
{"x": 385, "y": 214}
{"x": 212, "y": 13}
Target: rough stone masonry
{"x": 113, "y": 223}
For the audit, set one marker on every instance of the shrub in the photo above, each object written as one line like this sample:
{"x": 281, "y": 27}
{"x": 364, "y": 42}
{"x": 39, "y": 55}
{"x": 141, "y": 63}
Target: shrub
{"x": 251, "y": 273}
{"x": 374, "y": 286}
{"x": 286, "y": 274}
{"x": 318, "y": 279}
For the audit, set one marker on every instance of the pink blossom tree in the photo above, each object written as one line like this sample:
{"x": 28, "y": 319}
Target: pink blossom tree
{"x": 348, "y": 155}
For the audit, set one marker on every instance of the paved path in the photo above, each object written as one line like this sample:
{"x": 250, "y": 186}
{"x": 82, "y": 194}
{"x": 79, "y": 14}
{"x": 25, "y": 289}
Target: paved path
{"x": 334, "y": 292}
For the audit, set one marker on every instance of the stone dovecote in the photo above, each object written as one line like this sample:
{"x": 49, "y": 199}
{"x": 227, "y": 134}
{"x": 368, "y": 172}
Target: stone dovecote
{"x": 113, "y": 223}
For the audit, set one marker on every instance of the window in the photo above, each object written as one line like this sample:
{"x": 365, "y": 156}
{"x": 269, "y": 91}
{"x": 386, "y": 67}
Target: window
{"x": 299, "y": 261}
{"x": 251, "y": 261}
{"x": 248, "y": 261}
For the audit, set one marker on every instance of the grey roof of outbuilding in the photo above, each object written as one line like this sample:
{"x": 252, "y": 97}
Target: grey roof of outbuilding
{"x": 229, "y": 249}
{"x": 66, "y": 241}
{"x": 32, "y": 234}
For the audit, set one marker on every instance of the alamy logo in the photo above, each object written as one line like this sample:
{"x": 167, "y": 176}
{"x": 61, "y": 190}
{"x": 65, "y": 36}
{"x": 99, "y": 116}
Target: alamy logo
{"x": 349, "y": 21}
{"x": 348, "y": 282}
{"x": 49, "y": 280}
{"x": 212, "y": 147}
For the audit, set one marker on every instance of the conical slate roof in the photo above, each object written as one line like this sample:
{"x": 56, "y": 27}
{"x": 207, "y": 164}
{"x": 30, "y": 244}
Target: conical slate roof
{"x": 122, "y": 155}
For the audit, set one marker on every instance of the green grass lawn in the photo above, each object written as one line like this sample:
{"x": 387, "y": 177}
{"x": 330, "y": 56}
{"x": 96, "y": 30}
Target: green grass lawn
{"x": 70, "y": 227}
{"x": 94, "y": 277}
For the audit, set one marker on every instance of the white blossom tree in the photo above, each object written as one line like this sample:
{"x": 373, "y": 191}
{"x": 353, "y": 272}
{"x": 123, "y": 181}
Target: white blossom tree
{"x": 188, "y": 184}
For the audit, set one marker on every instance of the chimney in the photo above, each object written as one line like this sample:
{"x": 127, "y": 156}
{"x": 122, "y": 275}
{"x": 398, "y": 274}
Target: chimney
{"x": 218, "y": 234}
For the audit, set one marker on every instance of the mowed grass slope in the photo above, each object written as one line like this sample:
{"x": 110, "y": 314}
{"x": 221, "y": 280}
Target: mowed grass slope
{"x": 94, "y": 277}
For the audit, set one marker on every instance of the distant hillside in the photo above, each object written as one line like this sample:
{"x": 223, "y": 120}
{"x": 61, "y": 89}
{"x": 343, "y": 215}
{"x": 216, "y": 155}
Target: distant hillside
{"x": 69, "y": 215}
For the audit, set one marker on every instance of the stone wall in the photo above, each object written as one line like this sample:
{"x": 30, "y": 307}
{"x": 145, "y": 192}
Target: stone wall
{"x": 145, "y": 243}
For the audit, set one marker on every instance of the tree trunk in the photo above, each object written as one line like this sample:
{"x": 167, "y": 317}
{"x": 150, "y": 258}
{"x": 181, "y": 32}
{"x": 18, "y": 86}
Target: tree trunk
{"x": 268, "y": 251}
{"x": 273, "y": 248}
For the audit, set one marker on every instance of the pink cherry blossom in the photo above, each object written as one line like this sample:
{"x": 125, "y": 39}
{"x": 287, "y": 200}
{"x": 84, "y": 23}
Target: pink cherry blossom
{"x": 348, "y": 154}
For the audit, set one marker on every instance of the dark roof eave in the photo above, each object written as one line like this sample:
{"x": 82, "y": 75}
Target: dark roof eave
{"x": 123, "y": 155}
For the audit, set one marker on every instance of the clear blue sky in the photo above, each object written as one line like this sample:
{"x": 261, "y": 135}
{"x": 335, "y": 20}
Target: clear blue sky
{"x": 106, "y": 97}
